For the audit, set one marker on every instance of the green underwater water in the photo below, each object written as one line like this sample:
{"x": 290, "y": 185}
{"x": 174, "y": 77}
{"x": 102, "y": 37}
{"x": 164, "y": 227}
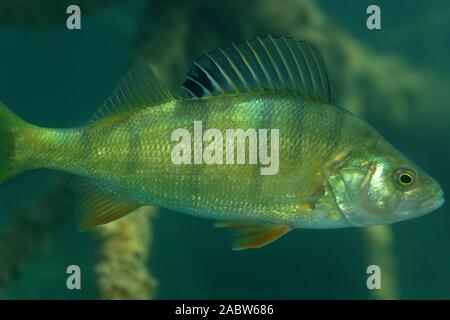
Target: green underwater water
{"x": 54, "y": 77}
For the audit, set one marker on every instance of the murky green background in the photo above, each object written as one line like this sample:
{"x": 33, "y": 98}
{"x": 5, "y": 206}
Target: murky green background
{"x": 55, "y": 77}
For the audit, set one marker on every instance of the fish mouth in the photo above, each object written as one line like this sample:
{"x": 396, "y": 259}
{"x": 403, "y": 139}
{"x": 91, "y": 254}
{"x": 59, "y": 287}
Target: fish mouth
{"x": 432, "y": 204}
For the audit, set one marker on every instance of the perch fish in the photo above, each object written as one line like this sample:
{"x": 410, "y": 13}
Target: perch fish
{"x": 334, "y": 169}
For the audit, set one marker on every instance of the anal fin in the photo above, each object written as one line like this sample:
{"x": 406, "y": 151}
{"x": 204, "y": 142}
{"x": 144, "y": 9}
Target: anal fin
{"x": 99, "y": 206}
{"x": 252, "y": 235}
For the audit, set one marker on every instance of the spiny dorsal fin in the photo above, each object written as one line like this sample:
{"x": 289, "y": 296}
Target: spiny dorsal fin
{"x": 139, "y": 88}
{"x": 248, "y": 235}
{"x": 98, "y": 206}
{"x": 274, "y": 65}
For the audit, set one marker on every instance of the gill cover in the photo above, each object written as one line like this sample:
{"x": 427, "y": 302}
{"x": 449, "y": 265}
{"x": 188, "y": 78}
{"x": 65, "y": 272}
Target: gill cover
{"x": 345, "y": 182}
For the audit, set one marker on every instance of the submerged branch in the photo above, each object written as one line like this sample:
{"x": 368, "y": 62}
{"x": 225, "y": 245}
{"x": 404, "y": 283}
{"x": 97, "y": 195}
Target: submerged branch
{"x": 379, "y": 244}
{"x": 123, "y": 247}
{"x": 31, "y": 228}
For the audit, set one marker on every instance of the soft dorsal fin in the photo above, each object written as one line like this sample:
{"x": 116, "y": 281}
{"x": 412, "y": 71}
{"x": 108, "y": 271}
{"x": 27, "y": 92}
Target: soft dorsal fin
{"x": 98, "y": 206}
{"x": 248, "y": 235}
{"x": 275, "y": 65}
{"x": 139, "y": 88}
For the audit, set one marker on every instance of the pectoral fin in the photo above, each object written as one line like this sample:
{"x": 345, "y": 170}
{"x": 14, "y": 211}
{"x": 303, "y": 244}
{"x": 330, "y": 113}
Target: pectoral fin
{"x": 248, "y": 235}
{"x": 98, "y": 205}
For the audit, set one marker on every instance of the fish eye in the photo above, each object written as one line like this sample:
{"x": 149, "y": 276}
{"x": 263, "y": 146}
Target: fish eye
{"x": 405, "y": 178}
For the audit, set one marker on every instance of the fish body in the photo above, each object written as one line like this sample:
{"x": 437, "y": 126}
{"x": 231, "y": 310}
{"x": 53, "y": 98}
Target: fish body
{"x": 133, "y": 158}
{"x": 333, "y": 169}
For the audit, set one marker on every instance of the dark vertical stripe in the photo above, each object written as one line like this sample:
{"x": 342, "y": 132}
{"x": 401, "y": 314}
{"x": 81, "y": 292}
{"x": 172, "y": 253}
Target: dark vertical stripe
{"x": 337, "y": 134}
{"x": 87, "y": 141}
{"x": 297, "y": 121}
{"x": 200, "y": 112}
{"x": 133, "y": 156}
{"x": 266, "y": 114}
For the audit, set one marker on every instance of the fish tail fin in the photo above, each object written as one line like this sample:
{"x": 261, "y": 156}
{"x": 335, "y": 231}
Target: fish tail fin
{"x": 10, "y": 126}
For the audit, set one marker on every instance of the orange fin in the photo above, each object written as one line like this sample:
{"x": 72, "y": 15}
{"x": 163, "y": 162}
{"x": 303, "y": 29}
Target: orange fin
{"x": 248, "y": 235}
{"x": 98, "y": 206}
